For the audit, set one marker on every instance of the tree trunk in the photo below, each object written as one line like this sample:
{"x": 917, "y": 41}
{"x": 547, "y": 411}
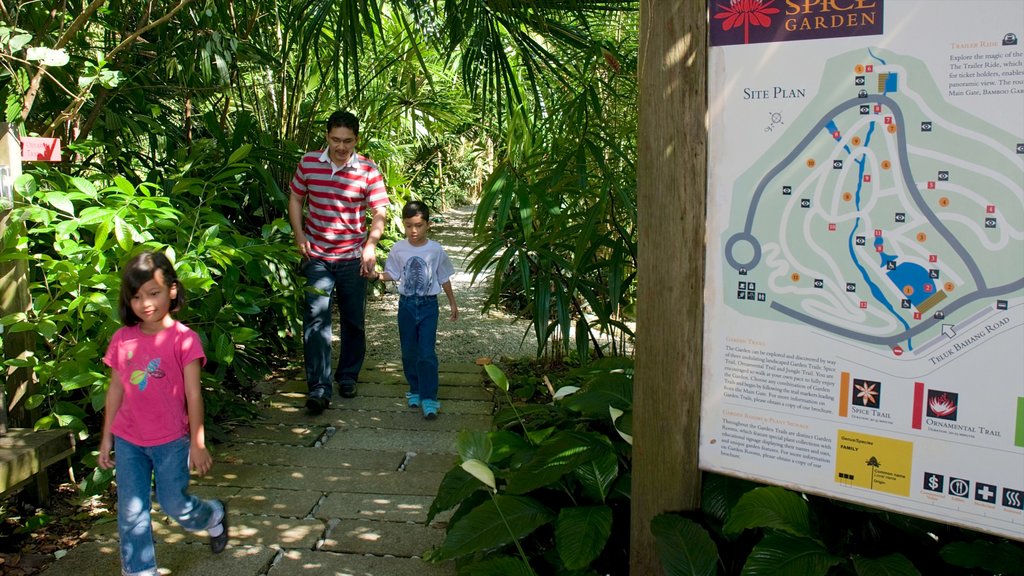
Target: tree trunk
{"x": 671, "y": 185}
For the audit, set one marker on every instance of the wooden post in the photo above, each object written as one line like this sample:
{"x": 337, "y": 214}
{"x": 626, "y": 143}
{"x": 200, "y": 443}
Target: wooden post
{"x": 14, "y": 294}
{"x": 671, "y": 190}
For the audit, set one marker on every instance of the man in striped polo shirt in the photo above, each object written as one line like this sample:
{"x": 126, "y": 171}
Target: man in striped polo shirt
{"x": 336, "y": 186}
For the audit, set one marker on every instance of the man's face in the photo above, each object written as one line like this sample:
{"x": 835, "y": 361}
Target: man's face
{"x": 340, "y": 143}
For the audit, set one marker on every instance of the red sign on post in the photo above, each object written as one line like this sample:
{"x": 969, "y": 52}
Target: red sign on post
{"x": 35, "y": 149}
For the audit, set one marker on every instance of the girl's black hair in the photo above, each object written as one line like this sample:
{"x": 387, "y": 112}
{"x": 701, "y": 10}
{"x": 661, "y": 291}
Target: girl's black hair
{"x": 139, "y": 270}
{"x": 416, "y": 208}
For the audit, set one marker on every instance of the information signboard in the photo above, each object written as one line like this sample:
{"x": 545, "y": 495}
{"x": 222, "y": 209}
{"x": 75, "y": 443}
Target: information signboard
{"x": 864, "y": 332}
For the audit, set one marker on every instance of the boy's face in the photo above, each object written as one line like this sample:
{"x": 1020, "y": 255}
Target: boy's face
{"x": 416, "y": 230}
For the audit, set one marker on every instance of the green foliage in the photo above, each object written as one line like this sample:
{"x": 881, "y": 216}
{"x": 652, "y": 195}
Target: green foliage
{"x": 237, "y": 273}
{"x": 538, "y": 495}
{"x": 557, "y": 222}
{"x": 747, "y": 530}
{"x": 684, "y": 547}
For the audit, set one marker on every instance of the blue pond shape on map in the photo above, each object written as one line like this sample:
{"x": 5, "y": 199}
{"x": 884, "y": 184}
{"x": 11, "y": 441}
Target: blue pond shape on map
{"x": 915, "y": 276}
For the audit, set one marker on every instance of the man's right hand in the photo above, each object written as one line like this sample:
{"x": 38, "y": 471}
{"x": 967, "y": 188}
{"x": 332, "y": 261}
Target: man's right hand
{"x": 302, "y": 243}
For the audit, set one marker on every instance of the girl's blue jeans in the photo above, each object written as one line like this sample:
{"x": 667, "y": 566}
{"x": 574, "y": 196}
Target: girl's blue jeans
{"x": 137, "y": 467}
{"x": 417, "y": 332}
{"x": 328, "y": 281}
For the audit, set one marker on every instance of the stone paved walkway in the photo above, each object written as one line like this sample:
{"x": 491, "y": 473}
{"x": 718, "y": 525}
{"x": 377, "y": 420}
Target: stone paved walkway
{"x": 345, "y": 493}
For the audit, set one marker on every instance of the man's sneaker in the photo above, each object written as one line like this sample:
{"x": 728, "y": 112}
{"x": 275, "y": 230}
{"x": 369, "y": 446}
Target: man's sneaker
{"x": 430, "y": 408}
{"x": 414, "y": 399}
{"x": 220, "y": 542}
{"x": 347, "y": 389}
{"x": 315, "y": 405}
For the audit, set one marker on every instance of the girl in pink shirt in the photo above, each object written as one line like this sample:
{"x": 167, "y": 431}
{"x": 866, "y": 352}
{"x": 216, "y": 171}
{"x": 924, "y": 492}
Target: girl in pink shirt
{"x": 154, "y": 415}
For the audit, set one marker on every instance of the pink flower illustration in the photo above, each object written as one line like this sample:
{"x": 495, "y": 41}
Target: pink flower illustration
{"x": 746, "y": 13}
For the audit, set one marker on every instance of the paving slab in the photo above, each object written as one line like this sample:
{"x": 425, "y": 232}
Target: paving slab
{"x": 445, "y": 391}
{"x": 385, "y": 507}
{"x": 106, "y": 529}
{"x": 398, "y": 404}
{"x": 393, "y": 388}
{"x": 295, "y": 435}
{"x": 302, "y": 457}
{"x": 409, "y": 440}
{"x": 378, "y": 538}
{"x": 387, "y": 374}
{"x": 285, "y": 533}
{"x": 418, "y": 462}
{"x": 461, "y": 379}
{"x": 321, "y": 563}
{"x": 103, "y": 559}
{"x": 461, "y": 367}
{"x": 322, "y": 479}
{"x": 274, "y": 502}
{"x": 411, "y": 419}
{"x": 245, "y": 530}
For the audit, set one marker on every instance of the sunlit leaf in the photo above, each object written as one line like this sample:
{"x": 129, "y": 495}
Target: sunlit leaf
{"x": 481, "y": 472}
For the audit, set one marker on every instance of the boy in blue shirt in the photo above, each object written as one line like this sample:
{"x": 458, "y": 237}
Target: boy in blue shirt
{"x": 422, "y": 269}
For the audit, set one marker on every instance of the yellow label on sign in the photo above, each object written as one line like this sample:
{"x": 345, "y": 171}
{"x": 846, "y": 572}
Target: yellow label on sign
{"x": 873, "y": 462}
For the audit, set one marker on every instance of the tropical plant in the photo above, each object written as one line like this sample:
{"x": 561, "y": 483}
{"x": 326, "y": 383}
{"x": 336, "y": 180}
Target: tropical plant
{"x": 548, "y": 491}
{"x": 746, "y": 529}
{"x": 79, "y": 230}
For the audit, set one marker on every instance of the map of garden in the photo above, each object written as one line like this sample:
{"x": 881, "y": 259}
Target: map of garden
{"x": 883, "y": 215}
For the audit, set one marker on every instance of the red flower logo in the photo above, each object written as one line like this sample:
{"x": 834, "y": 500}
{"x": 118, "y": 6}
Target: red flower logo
{"x": 746, "y": 13}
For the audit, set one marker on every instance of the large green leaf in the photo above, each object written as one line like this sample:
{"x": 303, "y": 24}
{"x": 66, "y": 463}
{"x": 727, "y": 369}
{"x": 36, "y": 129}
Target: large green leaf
{"x": 497, "y": 376}
{"x": 494, "y": 523}
{"x": 474, "y": 446}
{"x": 606, "y": 390}
{"x": 504, "y": 566}
{"x": 581, "y": 533}
{"x": 455, "y": 487}
{"x": 779, "y": 554}
{"x": 890, "y": 565}
{"x": 556, "y": 456}
{"x": 770, "y": 507}
{"x": 720, "y": 494}
{"x": 60, "y": 201}
{"x": 994, "y": 557}
{"x": 684, "y": 547}
{"x": 597, "y": 476}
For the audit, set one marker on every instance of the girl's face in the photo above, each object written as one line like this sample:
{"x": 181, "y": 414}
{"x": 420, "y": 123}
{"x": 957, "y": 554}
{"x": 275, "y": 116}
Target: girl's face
{"x": 416, "y": 230}
{"x": 152, "y": 303}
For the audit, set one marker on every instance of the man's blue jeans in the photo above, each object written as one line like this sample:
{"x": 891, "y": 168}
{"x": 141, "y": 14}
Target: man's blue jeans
{"x": 417, "y": 332}
{"x": 136, "y": 468}
{"x": 328, "y": 281}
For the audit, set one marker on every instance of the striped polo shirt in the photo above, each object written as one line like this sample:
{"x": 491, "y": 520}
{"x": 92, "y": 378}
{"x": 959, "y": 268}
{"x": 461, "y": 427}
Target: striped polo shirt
{"x": 337, "y": 199}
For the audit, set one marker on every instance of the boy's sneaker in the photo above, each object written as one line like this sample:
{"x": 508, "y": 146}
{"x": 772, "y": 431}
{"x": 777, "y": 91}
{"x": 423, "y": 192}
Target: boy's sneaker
{"x": 220, "y": 542}
{"x": 430, "y": 408}
{"x": 347, "y": 389}
{"x": 414, "y": 399}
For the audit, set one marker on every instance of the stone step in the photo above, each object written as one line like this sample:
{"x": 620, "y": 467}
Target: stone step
{"x": 322, "y": 479}
{"x": 324, "y": 563}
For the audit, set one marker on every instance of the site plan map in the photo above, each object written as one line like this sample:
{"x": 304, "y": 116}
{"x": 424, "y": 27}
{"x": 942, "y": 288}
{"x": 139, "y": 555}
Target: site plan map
{"x": 865, "y": 283}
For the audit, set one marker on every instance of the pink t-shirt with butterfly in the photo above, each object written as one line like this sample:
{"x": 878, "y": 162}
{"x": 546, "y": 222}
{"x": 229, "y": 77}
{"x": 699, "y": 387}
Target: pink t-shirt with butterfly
{"x": 152, "y": 368}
